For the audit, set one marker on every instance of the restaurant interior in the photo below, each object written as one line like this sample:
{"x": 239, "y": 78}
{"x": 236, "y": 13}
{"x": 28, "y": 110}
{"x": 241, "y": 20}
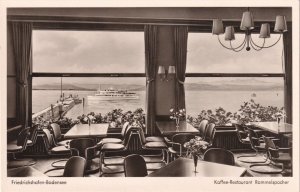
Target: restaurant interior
{"x": 162, "y": 142}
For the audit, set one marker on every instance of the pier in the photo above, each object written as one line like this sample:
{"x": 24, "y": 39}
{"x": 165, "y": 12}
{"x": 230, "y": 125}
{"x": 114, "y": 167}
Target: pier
{"x": 57, "y": 110}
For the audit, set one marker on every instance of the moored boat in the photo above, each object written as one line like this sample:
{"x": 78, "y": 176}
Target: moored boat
{"x": 112, "y": 94}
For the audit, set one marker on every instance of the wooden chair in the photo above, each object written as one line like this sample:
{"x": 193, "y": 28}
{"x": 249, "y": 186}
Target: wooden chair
{"x": 31, "y": 140}
{"x": 153, "y": 145}
{"x": 219, "y": 155}
{"x": 18, "y": 147}
{"x": 58, "y": 137}
{"x": 210, "y": 134}
{"x": 176, "y": 148}
{"x": 135, "y": 166}
{"x": 242, "y": 134}
{"x": 258, "y": 145}
{"x": 202, "y": 127}
{"x": 32, "y": 136}
{"x": 115, "y": 140}
{"x": 115, "y": 148}
{"x": 75, "y": 167}
{"x": 86, "y": 148}
{"x": 52, "y": 149}
{"x": 276, "y": 156}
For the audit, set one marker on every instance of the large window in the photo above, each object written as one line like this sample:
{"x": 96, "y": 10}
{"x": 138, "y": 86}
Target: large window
{"x": 220, "y": 78}
{"x": 104, "y": 70}
{"x": 88, "y": 52}
{"x": 206, "y": 55}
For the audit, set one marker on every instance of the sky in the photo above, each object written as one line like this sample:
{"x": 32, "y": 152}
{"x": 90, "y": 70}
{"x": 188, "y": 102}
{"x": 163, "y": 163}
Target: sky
{"x": 122, "y": 52}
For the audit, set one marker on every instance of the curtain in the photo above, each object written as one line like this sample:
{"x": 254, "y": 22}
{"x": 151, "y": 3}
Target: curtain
{"x": 288, "y": 92}
{"x": 180, "y": 35}
{"x": 151, "y": 68}
{"x": 21, "y": 33}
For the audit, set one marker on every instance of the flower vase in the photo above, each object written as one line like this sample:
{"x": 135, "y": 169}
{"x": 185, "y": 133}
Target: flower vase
{"x": 177, "y": 124}
{"x": 195, "y": 158}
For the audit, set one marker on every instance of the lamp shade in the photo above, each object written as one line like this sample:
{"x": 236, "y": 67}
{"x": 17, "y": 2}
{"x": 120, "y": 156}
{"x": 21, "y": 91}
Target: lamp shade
{"x": 280, "y": 24}
{"x": 171, "y": 69}
{"x": 264, "y": 30}
{"x": 217, "y": 28}
{"x": 247, "y": 21}
{"x": 229, "y": 33}
{"x": 161, "y": 70}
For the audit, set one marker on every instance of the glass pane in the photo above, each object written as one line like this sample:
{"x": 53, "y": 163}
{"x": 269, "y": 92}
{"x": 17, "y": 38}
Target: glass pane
{"x": 231, "y": 93}
{"x": 88, "y": 51}
{"x": 47, "y": 91}
{"x": 206, "y": 55}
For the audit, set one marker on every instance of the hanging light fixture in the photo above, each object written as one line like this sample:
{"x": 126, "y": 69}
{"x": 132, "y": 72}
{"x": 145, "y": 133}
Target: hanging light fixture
{"x": 247, "y": 24}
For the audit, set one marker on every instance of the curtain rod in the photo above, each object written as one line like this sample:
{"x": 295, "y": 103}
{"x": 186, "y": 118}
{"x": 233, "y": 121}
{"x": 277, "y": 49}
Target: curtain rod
{"x": 106, "y": 20}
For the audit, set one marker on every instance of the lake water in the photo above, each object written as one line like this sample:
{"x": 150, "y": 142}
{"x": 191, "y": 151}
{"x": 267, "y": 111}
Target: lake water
{"x": 195, "y": 101}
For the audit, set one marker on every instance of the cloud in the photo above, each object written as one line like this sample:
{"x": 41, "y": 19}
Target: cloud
{"x": 205, "y": 54}
{"x": 89, "y": 51}
{"x": 123, "y": 52}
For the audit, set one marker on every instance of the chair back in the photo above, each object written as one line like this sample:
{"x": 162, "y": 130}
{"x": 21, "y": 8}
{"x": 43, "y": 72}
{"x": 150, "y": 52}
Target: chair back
{"x": 202, "y": 127}
{"x": 125, "y": 126}
{"x": 241, "y": 132}
{"x": 219, "y": 155}
{"x": 23, "y": 137}
{"x": 210, "y": 133}
{"x": 74, "y": 167}
{"x": 127, "y": 136}
{"x": 135, "y": 166}
{"x": 80, "y": 145}
{"x": 142, "y": 135}
{"x": 178, "y": 141}
{"x": 270, "y": 144}
{"x": 56, "y": 131}
{"x": 33, "y": 133}
{"x": 48, "y": 139}
{"x": 253, "y": 137}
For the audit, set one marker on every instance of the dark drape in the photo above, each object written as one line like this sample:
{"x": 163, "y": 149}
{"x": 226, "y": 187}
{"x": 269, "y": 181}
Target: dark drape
{"x": 21, "y": 33}
{"x": 288, "y": 92}
{"x": 180, "y": 35}
{"x": 151, "y": 68}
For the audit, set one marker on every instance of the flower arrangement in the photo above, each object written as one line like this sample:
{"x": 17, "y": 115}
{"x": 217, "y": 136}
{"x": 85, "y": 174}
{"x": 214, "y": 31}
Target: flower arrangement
{"x": 115, "y": 118}
{"x": 195, "y": 146}
{"x": 41, "y": 122}
{"x": 177, "y": 115}
{"x": 280, "y": 115}
{"x": 87, "y": 119}
{"x": 66, "y": 122}
{"x": 249, "y": 111}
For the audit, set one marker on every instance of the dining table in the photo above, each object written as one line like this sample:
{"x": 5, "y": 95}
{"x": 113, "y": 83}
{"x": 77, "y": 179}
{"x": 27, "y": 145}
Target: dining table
{"x": 25, "y": 171}
{"x": 274, "y": 127}
{"x": 184, "y": 167}
{"x": 168, "y": 128}
{"x": 87, "y": 131}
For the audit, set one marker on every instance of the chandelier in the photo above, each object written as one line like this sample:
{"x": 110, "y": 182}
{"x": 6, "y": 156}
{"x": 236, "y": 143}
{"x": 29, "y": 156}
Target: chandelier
{"x": 247, "y": 24}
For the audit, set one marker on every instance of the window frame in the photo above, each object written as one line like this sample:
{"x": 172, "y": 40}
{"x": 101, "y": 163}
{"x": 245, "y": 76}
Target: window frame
{"x": 77, "y": 26}
{"x": 242, "y": 75}
{"x": 129, "y": 24}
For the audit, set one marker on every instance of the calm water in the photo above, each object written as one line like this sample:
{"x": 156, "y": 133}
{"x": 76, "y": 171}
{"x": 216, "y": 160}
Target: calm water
{"x": 195, "y": 101}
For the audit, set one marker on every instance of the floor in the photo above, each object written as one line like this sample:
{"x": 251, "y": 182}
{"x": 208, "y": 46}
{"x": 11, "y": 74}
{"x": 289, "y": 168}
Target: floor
{"x": 44, "y": 164}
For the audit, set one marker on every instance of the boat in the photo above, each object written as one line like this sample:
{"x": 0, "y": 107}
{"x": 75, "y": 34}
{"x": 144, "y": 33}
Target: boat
{"x": 253, "y": 95}
{"x": 113, "y": 94}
